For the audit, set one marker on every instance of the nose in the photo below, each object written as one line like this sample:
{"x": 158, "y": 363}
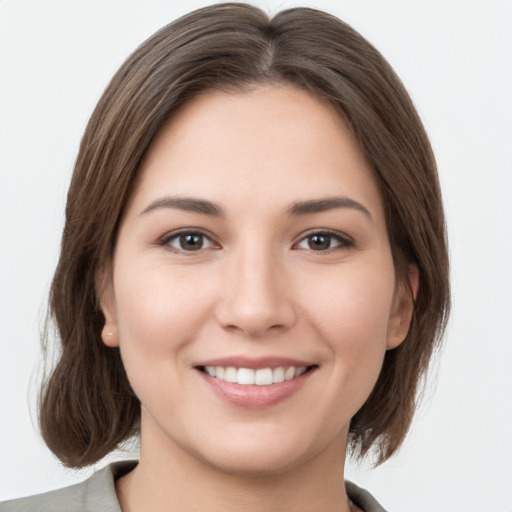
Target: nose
{"x": 255, "y": 296}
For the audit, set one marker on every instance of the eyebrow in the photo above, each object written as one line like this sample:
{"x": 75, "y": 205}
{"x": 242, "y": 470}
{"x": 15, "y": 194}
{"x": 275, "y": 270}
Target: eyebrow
{"x": 188, "y": 204}
{"x": 204, "y": 207}
{"x": 329, "y": 203}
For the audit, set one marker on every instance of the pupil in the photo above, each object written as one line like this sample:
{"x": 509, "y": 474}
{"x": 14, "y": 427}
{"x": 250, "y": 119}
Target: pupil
{"x": 319, "y": 242}
{"x": 191, "y": 242}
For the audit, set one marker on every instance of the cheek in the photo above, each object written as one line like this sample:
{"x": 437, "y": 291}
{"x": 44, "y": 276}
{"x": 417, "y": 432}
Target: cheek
{"x": 352, "y": 318}
{"x": 157, "y": 301}
{"x": 159, "y": 312}
{"x": 355, "y": 303}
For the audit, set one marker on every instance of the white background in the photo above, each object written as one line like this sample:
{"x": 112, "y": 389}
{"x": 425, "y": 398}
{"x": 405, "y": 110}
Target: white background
{"x": 455, "y": 58}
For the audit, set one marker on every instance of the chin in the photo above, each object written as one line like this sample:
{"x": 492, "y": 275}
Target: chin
{"x": 254, "y": 464}
{"x": 262, "y": 455}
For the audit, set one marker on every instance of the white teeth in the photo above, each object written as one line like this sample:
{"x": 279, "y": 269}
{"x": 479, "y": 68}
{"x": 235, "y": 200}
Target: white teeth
{"x": 278, "y": 375}
{"x": 230, "y": 374}
{"x": 289, "y": 373}
{"x": 260, "y": 377}
{"x": 263, "y": 377}
{"x": 245, "y": 376}
{"x": 300, "y": 371}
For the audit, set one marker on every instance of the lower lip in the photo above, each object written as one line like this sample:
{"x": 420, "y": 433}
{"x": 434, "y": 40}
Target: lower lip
{"x": 253, "y": 396}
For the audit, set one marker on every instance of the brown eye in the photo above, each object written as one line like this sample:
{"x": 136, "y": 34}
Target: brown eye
{"x": 324, "y": 241}
{"x": 319, "y": 242}
{"x": 189, "y": 241}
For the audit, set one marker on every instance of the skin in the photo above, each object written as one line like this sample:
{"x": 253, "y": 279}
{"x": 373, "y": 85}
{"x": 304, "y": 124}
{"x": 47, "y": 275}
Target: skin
{"x": 258, "y": 287}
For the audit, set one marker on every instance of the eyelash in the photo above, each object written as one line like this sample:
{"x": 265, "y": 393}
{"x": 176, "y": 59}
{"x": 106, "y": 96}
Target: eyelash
{"x": 166, "y": 240}
{"x": 342, "y": 241}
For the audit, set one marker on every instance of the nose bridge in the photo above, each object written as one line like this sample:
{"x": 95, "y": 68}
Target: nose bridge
{"x": 255, "y": 295}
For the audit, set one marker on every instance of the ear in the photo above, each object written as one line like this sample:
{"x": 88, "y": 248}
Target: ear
{"x": 105, "y": 291}
{"x": 402, "y": 309}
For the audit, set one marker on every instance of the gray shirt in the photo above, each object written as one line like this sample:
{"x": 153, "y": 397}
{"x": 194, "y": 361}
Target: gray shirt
{"x": 98, "y": 494}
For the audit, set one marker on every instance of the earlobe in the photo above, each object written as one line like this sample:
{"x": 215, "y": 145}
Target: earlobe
{"x": 403, "y": 309}
{"x": 105, "y": 291}
{"x": 109, "y": 336}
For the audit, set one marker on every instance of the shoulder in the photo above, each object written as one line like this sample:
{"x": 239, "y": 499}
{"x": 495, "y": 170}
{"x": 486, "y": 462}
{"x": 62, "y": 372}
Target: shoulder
{"x": 96, "y": 494}
{"x": 361, "y": 498}
{"x": 69, "y": 499}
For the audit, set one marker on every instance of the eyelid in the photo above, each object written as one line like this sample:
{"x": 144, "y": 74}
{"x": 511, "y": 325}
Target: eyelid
{"x": 345, "y": 240}
{"x": 165, "y": 239}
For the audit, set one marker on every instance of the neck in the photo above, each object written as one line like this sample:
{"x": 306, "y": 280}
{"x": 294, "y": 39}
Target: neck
{"x": 172, "y": 479}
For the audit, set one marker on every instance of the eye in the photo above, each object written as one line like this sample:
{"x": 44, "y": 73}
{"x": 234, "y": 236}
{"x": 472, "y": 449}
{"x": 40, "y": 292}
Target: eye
{"x": 188, "y": 241}
{"x": 324, "y": 241}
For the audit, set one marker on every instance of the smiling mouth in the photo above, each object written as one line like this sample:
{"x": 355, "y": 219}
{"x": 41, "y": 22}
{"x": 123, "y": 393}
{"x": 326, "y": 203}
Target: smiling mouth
{"x": 259, "y": 377}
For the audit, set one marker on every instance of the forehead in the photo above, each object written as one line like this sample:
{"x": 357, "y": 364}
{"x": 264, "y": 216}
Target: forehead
{"x": 275, "y": 143}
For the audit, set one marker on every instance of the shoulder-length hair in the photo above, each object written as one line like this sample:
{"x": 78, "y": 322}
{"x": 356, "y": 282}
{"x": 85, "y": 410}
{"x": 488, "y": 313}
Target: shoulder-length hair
{"x": 87, "y": 407}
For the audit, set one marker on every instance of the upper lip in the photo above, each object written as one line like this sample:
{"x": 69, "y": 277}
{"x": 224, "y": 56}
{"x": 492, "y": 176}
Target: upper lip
{"x": 255, "y": 363}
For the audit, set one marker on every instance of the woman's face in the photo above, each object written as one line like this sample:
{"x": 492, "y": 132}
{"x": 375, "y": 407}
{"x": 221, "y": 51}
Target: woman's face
{"x": 255, "y": 250}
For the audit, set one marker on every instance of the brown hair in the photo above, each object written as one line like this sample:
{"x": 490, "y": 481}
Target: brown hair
{"x": 87, "y": 406}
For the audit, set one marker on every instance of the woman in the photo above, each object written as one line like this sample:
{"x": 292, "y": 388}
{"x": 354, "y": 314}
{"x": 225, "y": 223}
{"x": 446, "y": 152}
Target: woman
{"x": 253, "y": 273}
